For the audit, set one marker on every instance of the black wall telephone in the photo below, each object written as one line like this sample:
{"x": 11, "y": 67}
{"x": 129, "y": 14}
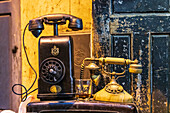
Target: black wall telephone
{"x": 56, "y": 77}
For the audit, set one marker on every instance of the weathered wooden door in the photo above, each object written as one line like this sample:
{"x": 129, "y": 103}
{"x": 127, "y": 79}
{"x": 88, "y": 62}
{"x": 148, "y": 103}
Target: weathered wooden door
{"x": 10, "y": 54}
{"x": 137, "y": 29}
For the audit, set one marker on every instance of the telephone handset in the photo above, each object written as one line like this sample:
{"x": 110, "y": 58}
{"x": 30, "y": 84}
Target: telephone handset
{"x": 36, "y": 25}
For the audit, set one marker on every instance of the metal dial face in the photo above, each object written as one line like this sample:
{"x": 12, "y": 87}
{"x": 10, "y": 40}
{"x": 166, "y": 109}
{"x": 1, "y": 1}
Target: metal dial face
{"x": 52, "y": 70}
{"x": 114, "y": 88}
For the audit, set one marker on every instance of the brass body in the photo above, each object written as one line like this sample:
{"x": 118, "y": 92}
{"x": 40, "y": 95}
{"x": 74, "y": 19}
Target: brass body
{"x": 112, "y": 92}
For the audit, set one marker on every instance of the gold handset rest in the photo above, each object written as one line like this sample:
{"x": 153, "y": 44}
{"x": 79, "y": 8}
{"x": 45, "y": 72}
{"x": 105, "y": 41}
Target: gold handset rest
{"x": 135, "y": 68}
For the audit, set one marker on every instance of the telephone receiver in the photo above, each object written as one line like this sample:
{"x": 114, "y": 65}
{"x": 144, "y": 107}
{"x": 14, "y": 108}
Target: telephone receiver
{"x": 36, "y": 25}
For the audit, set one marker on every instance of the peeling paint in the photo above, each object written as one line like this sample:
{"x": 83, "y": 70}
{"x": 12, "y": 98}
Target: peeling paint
{"x": 137, "y": 29}
{"x": 140, "y": 6}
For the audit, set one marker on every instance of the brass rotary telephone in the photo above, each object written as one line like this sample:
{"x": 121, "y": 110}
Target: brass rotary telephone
{"x": 112, "y": 92}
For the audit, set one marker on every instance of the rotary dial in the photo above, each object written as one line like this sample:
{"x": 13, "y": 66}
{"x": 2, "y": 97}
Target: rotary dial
{"x": 52, "y": 70}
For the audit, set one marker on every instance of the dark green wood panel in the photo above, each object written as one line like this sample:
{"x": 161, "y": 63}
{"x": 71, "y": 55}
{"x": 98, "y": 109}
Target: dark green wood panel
{"x": 140, "y": 23}
{"x": 148, "y": 23}
{"x": 140, "y": 6}
{"x": 160, "y": 64}
{"x": 141, "y": 82}
{"x": 121, "y": 49}
{"x": 101, "y": 22}
{"x": 146, "y": 85}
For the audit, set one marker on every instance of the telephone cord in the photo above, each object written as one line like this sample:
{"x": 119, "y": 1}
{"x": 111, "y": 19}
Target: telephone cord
{"x": 26, "y": 90}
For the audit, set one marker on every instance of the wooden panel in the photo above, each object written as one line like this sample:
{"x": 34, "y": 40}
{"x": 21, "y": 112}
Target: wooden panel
{"x": 81, "y": 51}
{"x": 141, "y": 82}
{"x": 5, "y": 63}
{"x": 5, "y": 7}
{"x": 146, "y": 85}
{"x": 160, "y": 67}
{"x": 11, "y": 53}
{"x": 81, "y": 43}
{"x": 121, "y": 49}
{"x": 139, "y": 23}
{"x": 140, "y": 6}
{"x": 148, "y": 90}
{"x": 101, "y": 35}
{"x": 15, "y": 51}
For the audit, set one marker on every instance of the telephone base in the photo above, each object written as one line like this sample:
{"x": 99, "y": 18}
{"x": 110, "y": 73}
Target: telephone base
{"x": 113, "y": 92}
{"x": 55, "y": 96}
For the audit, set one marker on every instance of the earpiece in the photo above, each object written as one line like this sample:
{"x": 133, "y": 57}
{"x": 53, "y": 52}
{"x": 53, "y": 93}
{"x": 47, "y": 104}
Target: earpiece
{"x": 36, "y": 26}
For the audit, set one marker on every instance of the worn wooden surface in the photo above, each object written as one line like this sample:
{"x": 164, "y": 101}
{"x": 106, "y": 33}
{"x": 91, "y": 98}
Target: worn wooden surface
{"x": 123, "y": 29}
{"x": 5, "y": 61}
{"x": 16, "y": 51}
{"x": 81, "y": 51}
{"x": 81, "y": 42}
{"x": 10, "y": 56}
{"x": 30, "y": 10}
{"x": 5, "y": 7}
{"x": 121, "y": 49}
{"x": 140, "y": 6}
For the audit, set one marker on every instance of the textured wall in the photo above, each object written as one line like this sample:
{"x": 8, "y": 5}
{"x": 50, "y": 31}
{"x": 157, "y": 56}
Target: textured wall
{"x": 32, "y": 9}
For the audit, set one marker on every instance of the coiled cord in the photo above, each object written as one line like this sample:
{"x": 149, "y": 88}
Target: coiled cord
{"x": 82, "y": 71}
{"x": 26, "y": 90}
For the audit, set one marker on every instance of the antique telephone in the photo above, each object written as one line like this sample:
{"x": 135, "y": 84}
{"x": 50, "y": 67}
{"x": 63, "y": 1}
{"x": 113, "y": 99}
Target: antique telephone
{"x": 56, "y": 77}
{"x": 112, "y": 91}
